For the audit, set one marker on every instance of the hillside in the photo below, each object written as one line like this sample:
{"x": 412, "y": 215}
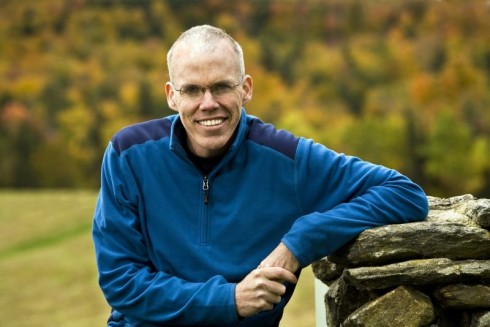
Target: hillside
{"x": 48, "y": 275}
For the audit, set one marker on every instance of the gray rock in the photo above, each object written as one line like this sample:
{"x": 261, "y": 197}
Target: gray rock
{"x": 451, "y": 217}
{"x": 419, "y": 272}
{"x": 326, "y": 271}
{"x": 436, "y": 203}
{"x": 477, "y": 210}
{"x": 463, "y": 296}
{"x": 403, "y": 306}
{"x": 418, "y": 240}
{"x": 447, "y": 257}
{"x": 481, "y": 319}
{"x": 342, "y": 299}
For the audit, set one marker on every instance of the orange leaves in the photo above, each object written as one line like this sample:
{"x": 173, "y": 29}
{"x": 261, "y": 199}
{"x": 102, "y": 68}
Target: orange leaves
{"x": 423, "y": 88}
{"x": 342, "y": 72}
{"x": 13, "y": 113}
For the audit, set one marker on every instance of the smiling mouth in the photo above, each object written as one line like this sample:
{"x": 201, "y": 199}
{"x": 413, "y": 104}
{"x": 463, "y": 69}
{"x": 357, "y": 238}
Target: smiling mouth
{"x": 211, "y": 122}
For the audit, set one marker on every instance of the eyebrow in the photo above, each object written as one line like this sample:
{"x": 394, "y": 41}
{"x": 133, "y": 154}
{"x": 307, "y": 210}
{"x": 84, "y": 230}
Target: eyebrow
{"x": 217, "y": 82}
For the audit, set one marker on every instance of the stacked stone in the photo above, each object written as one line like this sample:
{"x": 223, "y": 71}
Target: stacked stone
{"x": 432, "y": 273}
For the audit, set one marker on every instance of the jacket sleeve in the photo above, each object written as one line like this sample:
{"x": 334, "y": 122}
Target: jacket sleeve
{"x": 341, "y": 196}
{"x": 130, "y": 283}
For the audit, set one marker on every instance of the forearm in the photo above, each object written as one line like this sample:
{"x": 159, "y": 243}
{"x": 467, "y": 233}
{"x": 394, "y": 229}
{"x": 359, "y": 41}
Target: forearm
{"x": 318, "y": 234}
{"x": 282, "y": 257}
{"x": 341, "y": 196}
{"x": 139, "y": 292}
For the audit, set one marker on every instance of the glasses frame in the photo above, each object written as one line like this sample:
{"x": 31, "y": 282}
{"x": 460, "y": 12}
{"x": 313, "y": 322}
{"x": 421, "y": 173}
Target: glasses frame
{"x": 203, "y": 89}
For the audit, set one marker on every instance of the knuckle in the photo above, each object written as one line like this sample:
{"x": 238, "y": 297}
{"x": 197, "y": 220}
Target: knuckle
{"x": 260, "y": 284}
{"x": 262, "y": 295}
{"x": 265, "y": 305}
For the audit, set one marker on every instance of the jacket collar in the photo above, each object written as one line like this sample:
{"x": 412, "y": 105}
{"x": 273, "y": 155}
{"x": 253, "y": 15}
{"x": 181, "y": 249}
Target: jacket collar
{"x": 177, "y": 136}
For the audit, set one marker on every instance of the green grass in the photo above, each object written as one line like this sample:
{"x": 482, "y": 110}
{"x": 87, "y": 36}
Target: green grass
{"x": 47, "y": 269}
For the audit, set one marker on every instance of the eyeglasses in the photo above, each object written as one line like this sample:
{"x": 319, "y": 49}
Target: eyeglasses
{"x": 196, "y": 92}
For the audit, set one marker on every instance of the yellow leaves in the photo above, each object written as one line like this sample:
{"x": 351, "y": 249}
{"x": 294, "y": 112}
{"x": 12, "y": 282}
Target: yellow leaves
{"x": 252, "y": 52}
{"x": 27, "y": 86}
{"x": 318, "y": 58}
{"x": 365, "y": 53}
{"x": 270, "y": 96}
{"x": 459, "y": 75}
{"x": 227, "y": 22}
{"x": 380, "y": 140}
{"x": 325, "y": 125}
{"x": 128, "y": 93}
{"x": 480, "y": 163}
{"x": 401, "y": 51}
{"x": 75, "y": 95}
{"x": 385, "y": 99}
{"x": 295, "y": 122}
{"x": 422, "y": 88}
{"x": 342, "y": 72}
{"x": 454, "y": 159}
{"x": 76, "y": 124}
{"x": 110, "y": 113}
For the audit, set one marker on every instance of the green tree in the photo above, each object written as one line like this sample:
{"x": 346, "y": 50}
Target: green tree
{"x": 454, "y": 161}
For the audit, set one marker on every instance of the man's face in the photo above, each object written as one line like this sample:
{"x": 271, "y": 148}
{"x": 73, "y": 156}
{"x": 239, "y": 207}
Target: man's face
{"x": 210, "y": 120}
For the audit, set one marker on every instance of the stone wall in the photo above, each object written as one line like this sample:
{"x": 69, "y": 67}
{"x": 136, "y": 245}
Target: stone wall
{"x": 433, "y": 273}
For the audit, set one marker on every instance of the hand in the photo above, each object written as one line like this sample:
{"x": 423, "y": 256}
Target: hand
{"x": 261, "y": 289}
{"x": 281, "y": 257}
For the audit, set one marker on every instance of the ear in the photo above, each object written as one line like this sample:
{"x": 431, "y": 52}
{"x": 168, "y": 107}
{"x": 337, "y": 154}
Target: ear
{"x": 247, "y": 89}
{"x": 170, "y": 93}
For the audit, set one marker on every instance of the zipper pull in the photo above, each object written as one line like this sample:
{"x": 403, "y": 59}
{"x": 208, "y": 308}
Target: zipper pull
{"x": 205, "y": 188}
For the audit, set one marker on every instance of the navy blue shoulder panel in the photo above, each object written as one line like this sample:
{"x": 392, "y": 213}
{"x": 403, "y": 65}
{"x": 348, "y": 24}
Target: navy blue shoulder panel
{"x": 267, "y": 135}
{"x": 140, "y": 133}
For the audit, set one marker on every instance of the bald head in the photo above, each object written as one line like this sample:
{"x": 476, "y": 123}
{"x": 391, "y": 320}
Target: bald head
{"x": 202, "y": 39}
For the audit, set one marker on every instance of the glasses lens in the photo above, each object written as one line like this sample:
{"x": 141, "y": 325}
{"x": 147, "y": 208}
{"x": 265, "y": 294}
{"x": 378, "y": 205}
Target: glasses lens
{"x": 192, "y": 91}
{"x": 196, "y": 92}
{"x": 221, "y": 88}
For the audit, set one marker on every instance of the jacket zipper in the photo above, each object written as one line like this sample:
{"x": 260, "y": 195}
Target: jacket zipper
{"x": 205, "y": 188}
{"x": 203, "y": 222}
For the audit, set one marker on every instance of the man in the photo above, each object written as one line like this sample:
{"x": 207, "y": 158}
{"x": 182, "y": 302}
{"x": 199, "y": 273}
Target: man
{"x": 205, "y": 218}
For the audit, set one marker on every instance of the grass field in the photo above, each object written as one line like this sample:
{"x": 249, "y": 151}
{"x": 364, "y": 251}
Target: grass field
{"x": 47, "y": 269}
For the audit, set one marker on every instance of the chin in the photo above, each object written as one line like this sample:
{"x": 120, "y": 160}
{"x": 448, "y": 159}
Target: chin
{"x": 215, "y": 147}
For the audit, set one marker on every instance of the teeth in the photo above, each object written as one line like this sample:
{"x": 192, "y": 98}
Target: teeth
{"x": 211, "y": 122}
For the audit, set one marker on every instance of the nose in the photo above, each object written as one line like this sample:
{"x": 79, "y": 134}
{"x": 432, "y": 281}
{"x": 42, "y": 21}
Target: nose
{"x": 208, "y": 100}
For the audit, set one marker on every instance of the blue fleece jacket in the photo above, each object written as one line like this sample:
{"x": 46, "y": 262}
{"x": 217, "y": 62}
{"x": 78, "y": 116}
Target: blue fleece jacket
{"x": 171, "y": 243}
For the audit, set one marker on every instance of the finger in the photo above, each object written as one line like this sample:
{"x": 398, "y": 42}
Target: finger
{"x": 266, "y": 306}
{"x": 280, "y": 275}
{"x": 273, "y": 298}
{"x": 275, "y": 288}
{"x": 271, "y": 293}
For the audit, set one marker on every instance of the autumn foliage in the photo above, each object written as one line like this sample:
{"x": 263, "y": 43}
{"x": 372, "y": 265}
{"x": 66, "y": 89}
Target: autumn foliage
{"x": 400, "y": 83}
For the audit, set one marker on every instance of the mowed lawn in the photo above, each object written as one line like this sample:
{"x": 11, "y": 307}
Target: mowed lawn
{"x": 47, "y": 269}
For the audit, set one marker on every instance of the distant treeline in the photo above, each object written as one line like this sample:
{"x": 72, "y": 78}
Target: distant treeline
{"x": 400, "y": 83}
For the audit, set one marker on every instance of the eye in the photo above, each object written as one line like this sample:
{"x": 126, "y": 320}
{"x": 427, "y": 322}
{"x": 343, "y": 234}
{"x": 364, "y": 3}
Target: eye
{"x": 221, "y": 88}
{"x": 191, "y": 90}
